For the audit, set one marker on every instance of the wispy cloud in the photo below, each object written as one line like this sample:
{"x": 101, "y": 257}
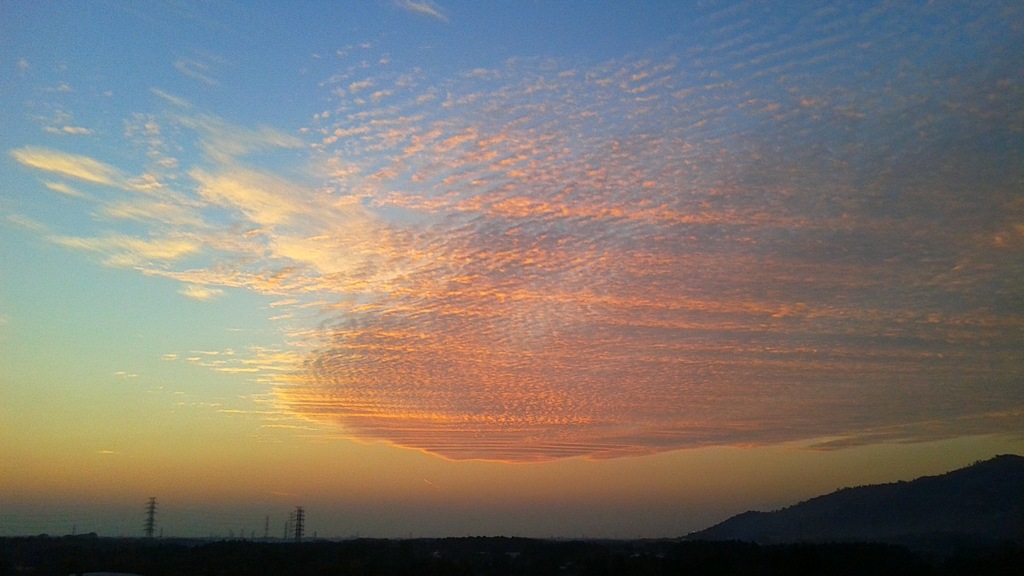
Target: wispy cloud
{"x": 71, "y": 165}
{"x": 26, "y": 223}
{"x": 64, "y": 189}
{"x": 170, "y": 98}
{"x": 423, "y": 8}
{"x": 76, "y": 130}
{"x": 225, "y": 143}
{"x": 198, "y": 292}
{"x": 124, "y": 250}
{"x": 164, "y": 211}
{"x": 262, "y": 198}
{"x": 196, "y": 70}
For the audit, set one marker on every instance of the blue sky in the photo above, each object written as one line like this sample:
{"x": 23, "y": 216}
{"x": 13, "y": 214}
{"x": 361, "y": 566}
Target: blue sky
{"x": 409, "y": 248}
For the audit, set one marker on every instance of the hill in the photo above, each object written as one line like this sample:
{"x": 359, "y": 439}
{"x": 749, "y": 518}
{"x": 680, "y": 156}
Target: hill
{"x": 983, "y": 502}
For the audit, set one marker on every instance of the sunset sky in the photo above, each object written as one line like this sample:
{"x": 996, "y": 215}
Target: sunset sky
{"x": 536, "y": 268}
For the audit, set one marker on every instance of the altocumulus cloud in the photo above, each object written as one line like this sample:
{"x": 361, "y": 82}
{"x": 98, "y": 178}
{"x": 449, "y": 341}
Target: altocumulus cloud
{"x": 737, "y": 247}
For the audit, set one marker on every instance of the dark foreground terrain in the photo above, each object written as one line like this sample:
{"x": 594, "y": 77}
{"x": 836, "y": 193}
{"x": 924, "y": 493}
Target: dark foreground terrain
{"x": 982, "y": 502}
{"x": 46, "y": 556}
{"x": 965, "y": 522}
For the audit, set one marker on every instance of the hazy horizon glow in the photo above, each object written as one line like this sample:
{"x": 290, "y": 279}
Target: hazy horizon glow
{"x": 738, "y": 229}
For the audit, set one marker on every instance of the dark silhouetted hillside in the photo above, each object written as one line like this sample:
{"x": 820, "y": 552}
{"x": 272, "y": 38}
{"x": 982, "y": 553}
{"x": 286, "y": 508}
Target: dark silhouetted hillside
{"x": 982, "y": 503}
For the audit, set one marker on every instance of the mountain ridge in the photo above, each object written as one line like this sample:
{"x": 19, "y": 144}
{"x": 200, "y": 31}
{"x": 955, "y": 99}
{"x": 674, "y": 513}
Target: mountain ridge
{"x": 981, "y": 502}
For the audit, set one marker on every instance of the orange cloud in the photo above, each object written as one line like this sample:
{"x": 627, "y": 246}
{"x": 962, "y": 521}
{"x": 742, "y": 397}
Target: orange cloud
{"x": 596, "y": 263}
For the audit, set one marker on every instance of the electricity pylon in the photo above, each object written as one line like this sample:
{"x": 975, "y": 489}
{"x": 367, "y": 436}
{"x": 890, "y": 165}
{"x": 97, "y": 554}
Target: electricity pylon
{"x": 150, "y": 516}
{"x": 300, "y": 517}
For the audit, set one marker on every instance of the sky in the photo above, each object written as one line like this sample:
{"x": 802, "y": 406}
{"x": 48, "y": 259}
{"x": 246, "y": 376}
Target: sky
{"x": 548, "y": 268}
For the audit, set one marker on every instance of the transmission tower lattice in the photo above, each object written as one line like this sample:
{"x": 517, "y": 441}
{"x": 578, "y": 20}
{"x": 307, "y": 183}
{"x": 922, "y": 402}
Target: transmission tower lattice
{"x": 150, "y": 516}
{"x": 300, "y": 517}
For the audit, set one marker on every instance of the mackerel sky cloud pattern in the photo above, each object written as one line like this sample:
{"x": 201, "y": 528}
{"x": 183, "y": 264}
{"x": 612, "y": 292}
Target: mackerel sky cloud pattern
{"x": 732, "y": 246}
